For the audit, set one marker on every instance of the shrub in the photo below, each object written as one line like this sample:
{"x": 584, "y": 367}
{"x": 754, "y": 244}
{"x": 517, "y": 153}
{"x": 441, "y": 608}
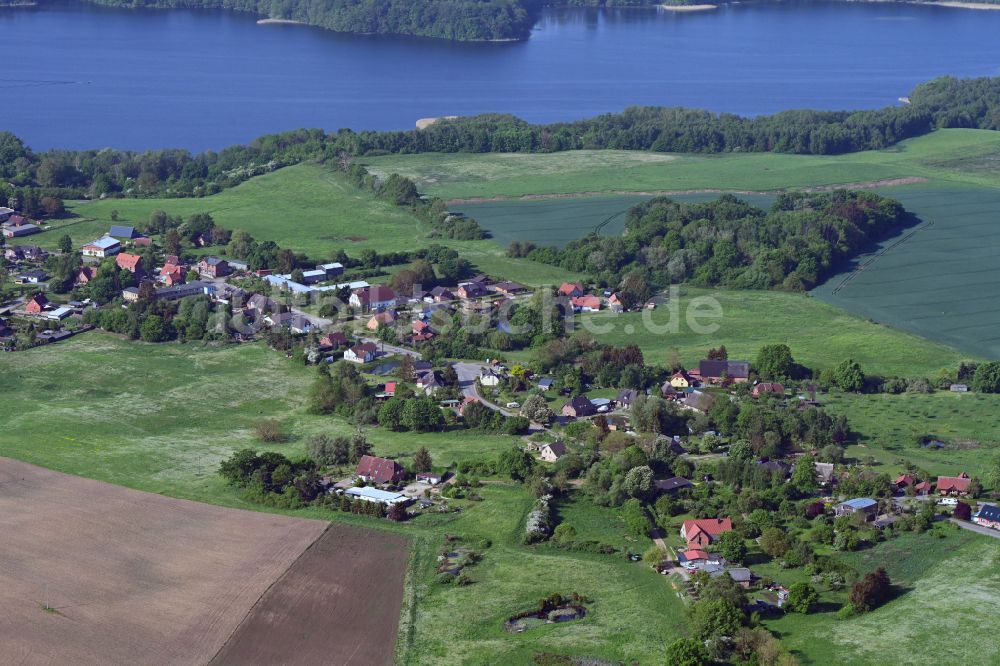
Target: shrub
{"x": 268, "y": 430}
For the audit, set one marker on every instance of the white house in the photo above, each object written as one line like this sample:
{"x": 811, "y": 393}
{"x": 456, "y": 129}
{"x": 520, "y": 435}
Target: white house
{"x": 552, "y": 452}
{"x": 363, "y": 353}
{"x": 488, "y": 377}
{"x": 102, "y": 247}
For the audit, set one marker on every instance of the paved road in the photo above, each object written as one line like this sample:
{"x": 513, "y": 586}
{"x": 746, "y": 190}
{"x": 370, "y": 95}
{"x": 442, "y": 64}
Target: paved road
{"x": 386, "y": 348}
{"x": 972, "y": 527}
{"x": 467, "y": 373}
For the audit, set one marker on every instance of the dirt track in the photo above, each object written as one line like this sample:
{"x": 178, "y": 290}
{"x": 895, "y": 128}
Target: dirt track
{"x": 92, "y": 573}
{"x": 338, "y": 604}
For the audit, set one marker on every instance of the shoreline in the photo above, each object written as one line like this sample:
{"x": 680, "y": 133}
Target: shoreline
{"x": 681, "y": 9}
{"x": 279, "y": 21}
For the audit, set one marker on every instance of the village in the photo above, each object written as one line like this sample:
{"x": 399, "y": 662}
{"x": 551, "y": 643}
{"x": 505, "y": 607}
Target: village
{"x": 732, "y": 468}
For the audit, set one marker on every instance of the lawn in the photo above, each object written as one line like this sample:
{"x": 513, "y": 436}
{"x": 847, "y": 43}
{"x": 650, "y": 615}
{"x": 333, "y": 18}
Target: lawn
{"x": 888, "y": 428}
{"x": 160, "y": 418}
{"x": 818, "y": 334}
{"x": 946, "y": 155}
{"x": 948, "y": 585}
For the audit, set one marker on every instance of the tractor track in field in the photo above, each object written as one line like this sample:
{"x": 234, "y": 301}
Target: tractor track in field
{"x": 869, "y": 185}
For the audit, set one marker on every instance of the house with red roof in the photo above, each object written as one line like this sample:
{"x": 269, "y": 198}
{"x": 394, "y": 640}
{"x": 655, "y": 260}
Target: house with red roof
{"x": 571, "y": 289}
{"x": 586, "y": 303}
{"x": 903, "y": 481}
{"x": 85, "y": 275}
{"x": 333, "y": 340}
{"x": 954, "y": 485}
{"x": 376, "y": 297}
{"x": 372, "y": 469}
{"x": 387, "y": 318}
{"x": 701, "y": 533}
{"x": 130, "y": 262}
{"x": 36, "y": 304}
{"x": 923, "y": 488}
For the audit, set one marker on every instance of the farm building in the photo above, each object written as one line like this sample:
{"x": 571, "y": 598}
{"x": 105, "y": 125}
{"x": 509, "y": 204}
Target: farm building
{"x": 101, "y": 248}
{"x": 509, "y": 288}
{"x": 179, "y": 291}
{"x": 23, "y": 230}
{"x": 120, "y": 231}
{"x": 373, "y": 469}
{"x": 718, "y": 371}
{"x": 863, "y": 505}
{"x": 705, "y": 531}
{"x": 331, "y": 270}
{"x": 552, "y": 452}
{"x": 376, "y": 495}
{"x": 954, "y": 485}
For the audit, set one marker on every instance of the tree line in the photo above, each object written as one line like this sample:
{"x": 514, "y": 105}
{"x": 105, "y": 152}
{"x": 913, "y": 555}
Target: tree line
{"x": 941, "y": 103}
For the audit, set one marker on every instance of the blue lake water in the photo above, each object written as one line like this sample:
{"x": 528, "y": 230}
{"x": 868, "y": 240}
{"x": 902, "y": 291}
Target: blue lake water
{"x": 77, "y": 76}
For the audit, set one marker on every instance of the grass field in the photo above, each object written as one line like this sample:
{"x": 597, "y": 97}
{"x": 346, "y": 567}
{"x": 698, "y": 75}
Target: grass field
{"x": 306, "y": 208}
{"x": 947, "y": 155}
{"x": 888, "y": 428}
{"x": 948, "y": 585}
{"x": 161, "y": 417}
{"x": 819, "y": 334}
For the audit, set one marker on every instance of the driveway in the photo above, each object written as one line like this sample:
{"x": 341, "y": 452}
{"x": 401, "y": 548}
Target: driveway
{"x": 979, "y": 529}
{"x": 386, "y": 349}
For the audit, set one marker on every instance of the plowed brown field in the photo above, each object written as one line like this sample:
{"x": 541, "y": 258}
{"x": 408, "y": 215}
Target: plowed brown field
{"x": 92, "y": 573}
{"x": 338, "y": 604}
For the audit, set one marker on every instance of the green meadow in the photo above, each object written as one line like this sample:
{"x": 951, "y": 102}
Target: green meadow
{"x": 307, "y": 208}
{"x": 947, "y": 586}
{"x": 956, "y": 155}
{"x": 889, "y": 428}
{"x": 818, "y": 334}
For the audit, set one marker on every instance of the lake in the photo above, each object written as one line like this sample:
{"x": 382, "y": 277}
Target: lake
{"x": 78, "y": 76}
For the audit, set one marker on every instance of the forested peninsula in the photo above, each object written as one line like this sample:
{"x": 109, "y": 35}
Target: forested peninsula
{"x": 943, "y": 103}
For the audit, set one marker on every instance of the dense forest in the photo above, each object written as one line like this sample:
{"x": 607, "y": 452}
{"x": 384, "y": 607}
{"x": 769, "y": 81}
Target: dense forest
{"x": 466, "y": 20}
{"x": 794, "y": 246}
{"x": 944, "y": 102}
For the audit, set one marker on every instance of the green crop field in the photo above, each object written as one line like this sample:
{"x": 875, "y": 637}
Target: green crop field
{"x": 160, "y": 418}
{"x": 819, "y": 335}
{"x": 938, "y": 281}
{"x": 947, "y": 582}
{"x": 947, "y": 155}
{"x": 890, "y": 429}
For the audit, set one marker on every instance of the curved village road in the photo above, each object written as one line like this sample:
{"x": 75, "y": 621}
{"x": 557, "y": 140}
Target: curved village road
{"x": 979, "y": 529}
{"x": 467, "y": 374}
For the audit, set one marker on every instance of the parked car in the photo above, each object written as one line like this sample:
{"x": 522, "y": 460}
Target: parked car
{"x": 948, "y": 501}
